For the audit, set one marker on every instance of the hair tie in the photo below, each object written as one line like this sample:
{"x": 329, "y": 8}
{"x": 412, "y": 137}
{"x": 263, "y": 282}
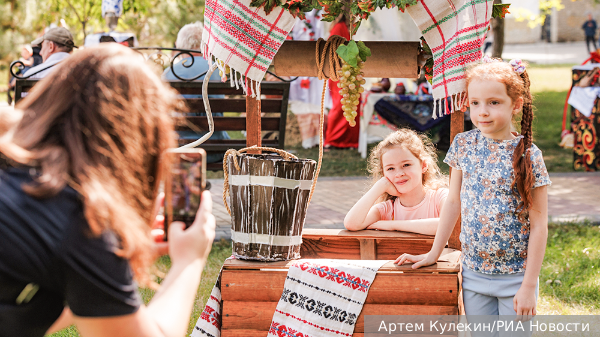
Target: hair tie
{"x": 487, "y": 59}
{"x": 517, "y": 65}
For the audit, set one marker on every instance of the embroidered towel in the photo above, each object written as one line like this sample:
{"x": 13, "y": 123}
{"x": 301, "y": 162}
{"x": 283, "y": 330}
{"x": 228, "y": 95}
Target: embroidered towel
{"x": 209, "y": 322}
{"x": 244, "y": 38}
{"x": 455, "y": 31}
{"x": 323, "y": 297}
{"x": 320, "y": 298}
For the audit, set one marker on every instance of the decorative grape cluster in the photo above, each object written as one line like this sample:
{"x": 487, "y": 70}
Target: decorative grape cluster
{"x": 350, "y": 84}
{"x": 227, "y": 70}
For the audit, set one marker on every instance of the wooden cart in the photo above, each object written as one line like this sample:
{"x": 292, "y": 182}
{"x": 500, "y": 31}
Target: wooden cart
{"x": 251, "y": 290}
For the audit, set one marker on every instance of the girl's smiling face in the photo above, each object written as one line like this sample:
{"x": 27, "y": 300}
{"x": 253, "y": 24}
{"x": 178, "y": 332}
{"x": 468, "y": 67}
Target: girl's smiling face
{"x": 403, "y": 169}
{"x": 492, "y": 110}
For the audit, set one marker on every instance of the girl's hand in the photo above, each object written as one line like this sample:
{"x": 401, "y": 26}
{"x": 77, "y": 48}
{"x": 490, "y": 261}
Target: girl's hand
{"x": 385, "y": 185}
{"x": 422, "y": 260}
{"x": 524, "y": 303}
{"x": 196, "y": 241}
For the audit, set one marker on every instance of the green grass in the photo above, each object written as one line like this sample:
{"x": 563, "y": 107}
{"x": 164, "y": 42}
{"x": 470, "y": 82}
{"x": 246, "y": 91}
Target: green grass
{"x": 570, "y": 275}
{"x": 569, "y": 279}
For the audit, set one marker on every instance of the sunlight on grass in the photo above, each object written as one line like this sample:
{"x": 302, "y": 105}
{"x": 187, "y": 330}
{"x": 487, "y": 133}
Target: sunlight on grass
{"x": 549, "y": 78}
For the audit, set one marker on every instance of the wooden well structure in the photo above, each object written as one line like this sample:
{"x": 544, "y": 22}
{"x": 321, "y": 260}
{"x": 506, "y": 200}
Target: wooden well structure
{"x": 251, "y": 290}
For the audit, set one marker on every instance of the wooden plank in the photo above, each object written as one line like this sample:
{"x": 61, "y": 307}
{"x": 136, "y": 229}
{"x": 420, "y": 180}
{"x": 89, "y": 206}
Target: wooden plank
{"x": 253, "y": 127}
{"x": 457, "y": 125}
{"x": 258, "y": 315}
{"x": 408, "y": 288}
{"x": 368, "y": 249}
{"x": 316, "y": 233}
{"x": 330, "y": 248}
{"x": 220, "y": 88}
{"x": 214, "y": 146}
{"x": 447, "y": 263}
{"x": 342, "y": 244}
{"x": 391, "y": 249}
{"x": 232, "y": 104}
{"x": 227, "y": 123}
{"x": 388, "y": 59}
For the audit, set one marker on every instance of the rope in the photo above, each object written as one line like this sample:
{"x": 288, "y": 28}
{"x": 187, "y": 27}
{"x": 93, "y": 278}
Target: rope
{"x": 335, "y": 64}
{"x": 235, "y": 154}
{"x": 211, "y": 124}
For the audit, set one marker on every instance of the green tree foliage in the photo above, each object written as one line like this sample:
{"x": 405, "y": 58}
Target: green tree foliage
{"x": 154, "y": 22}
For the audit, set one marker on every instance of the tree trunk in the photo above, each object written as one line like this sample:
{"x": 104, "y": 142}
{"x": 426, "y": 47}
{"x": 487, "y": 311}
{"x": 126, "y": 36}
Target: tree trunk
{"x": 498, "y": 29}
{"x": 83, "y": 24}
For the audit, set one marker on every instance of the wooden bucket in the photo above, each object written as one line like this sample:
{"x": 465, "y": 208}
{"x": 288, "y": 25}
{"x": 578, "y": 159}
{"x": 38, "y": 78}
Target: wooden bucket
{"x": 268, "y": 196}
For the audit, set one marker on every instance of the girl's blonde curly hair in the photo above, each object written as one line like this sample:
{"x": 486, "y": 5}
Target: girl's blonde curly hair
{"x": 420, "y": 146}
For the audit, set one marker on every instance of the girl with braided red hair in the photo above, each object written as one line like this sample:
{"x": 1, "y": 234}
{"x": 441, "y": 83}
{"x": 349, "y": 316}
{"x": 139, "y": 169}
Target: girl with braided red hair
{"x": 499, "y": 188}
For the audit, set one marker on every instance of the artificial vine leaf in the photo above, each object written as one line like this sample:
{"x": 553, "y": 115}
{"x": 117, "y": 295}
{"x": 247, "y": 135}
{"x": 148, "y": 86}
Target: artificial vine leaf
{"x": 425, "y": 46}
{"x": 268, "y": 5}
{"x": 500, "y": 10}
{"x": 349, "y": 53}
{"x": 356, "y": 25}
{"x": 402, "y": 4}
{"x": 363, "y": 50}
{"x": 299, "y": 8}
{"x": 428, "y": 70}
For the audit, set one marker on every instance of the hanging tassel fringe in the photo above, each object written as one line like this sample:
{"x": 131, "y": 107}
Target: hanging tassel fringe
{"x": 251, "y": 88}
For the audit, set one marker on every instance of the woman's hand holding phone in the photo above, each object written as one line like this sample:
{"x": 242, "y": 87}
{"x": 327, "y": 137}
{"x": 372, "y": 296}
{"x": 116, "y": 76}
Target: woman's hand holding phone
{"x": 195, "y": 242}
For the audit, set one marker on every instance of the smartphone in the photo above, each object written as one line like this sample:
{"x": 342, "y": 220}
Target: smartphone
{"x": 184, "y": 185}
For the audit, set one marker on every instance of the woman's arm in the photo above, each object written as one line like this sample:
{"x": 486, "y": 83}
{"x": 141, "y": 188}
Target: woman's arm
{"x": 363, "y": 213}
{"x": 448, "y": 218}
{"x": 524, "y": 300}
{"x": 169, "y": 312}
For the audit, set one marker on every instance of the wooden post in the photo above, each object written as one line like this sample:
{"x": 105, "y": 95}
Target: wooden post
{"x": 253, "y": 128}
{"x": 368, "y": 249}
{"x": 457, "y": 125}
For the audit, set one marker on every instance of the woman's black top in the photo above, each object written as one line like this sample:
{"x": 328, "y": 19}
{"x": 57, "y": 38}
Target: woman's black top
{"x": 46, "y": 244}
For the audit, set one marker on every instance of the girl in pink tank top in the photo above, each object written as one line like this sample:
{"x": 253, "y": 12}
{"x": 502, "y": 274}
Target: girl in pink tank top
{"x": 409, "y": 189}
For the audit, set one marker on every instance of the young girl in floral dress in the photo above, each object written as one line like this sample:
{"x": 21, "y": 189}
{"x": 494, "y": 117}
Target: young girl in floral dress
{"x": 498, "y": 186}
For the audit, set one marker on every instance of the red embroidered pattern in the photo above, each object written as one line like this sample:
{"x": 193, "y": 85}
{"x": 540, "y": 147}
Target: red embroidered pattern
{"x": 239, "y": 31}
{"x": 234, "y": 51}
{"x": 334, "y": 275}
{"x": 311, "y": 324}
{"x": 211, "y": 316}
{"x": 283, "y": 331}
{"x": 258, "y": 17}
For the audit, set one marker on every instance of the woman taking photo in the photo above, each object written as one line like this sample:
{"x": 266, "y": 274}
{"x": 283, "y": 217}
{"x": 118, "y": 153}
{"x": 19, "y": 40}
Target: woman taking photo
{"x": 79, "y": 177}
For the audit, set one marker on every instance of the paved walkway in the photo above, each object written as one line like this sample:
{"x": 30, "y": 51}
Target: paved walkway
{"x": 548, "y": 53}
{"x": 572, "y": 197}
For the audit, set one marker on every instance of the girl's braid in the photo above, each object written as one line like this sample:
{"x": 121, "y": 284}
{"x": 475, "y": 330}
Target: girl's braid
{"x": 522, "y": 158}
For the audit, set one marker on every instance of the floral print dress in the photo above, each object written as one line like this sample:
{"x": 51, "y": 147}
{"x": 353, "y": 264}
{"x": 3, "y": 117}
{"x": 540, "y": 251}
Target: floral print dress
{"x": 494, "y": 240}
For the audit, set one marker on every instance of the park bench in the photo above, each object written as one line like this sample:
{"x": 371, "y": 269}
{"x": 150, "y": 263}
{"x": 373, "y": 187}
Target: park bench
{"x": 250, "y": 290}
{"x": 275, "y": 107}
{"x": 22, "y": 86}
{"x": 273, "y": 121}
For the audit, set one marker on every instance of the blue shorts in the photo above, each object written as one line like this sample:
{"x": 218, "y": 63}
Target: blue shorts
{"x": 490, "y": 294}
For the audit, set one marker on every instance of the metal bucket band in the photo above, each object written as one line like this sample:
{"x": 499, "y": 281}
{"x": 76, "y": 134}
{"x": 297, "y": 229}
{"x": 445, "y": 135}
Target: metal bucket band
{"x": 267, "y": 239}
{"x": 246, "y": 180}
